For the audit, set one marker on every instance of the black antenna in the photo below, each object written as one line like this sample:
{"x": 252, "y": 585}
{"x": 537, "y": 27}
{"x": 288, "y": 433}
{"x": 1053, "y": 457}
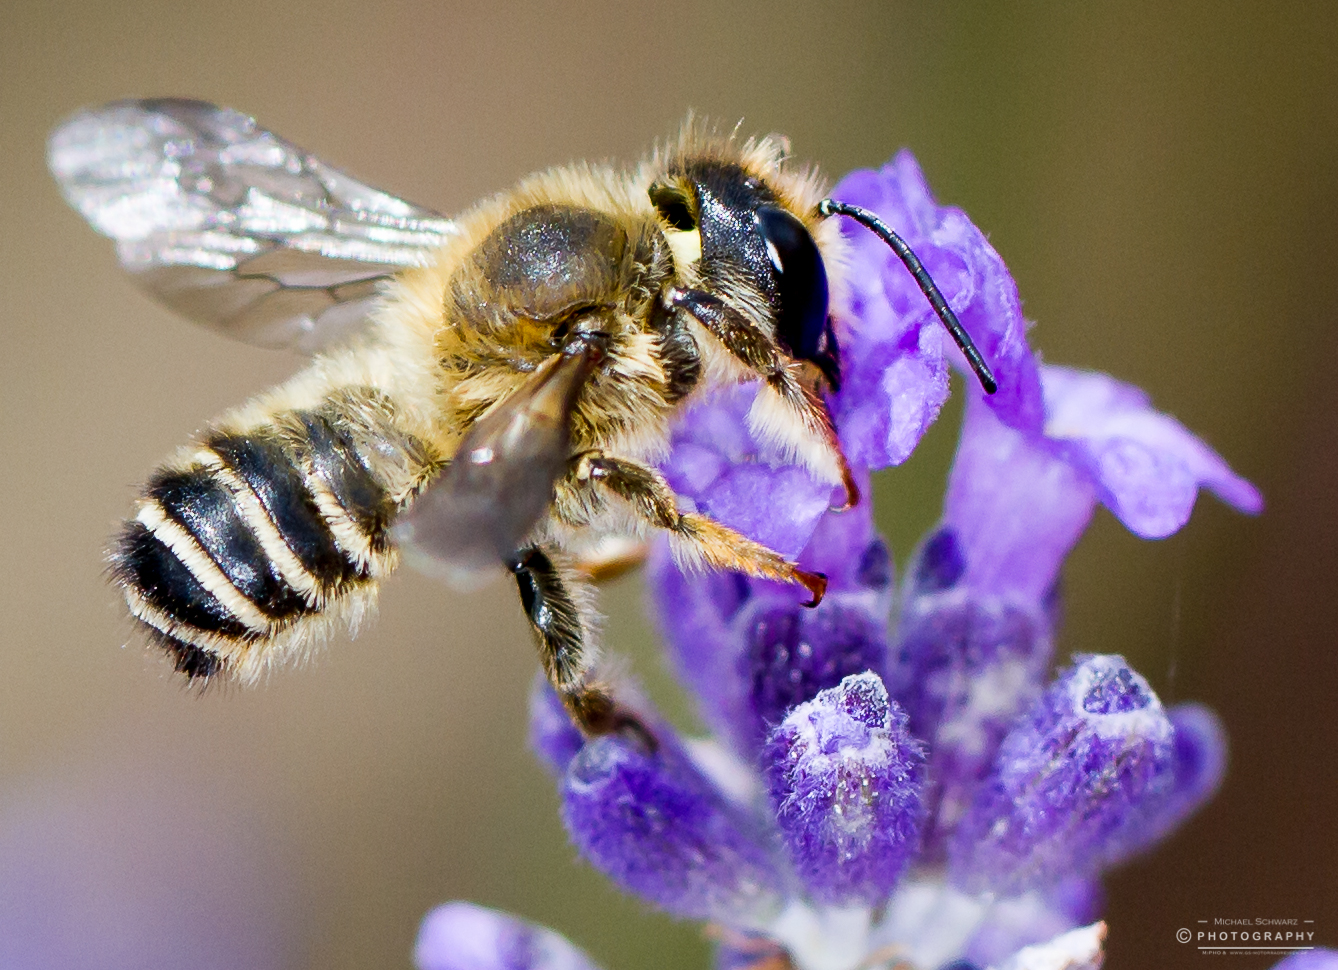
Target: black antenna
{"x": 830, "y": 207}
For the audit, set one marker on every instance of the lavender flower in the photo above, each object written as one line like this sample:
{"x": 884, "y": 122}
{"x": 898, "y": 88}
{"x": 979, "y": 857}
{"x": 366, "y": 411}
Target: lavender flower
{"x": 844, "y": 779}
{"x": 915, "y": 795}
{"x": 461, "y": 936}
{"x": 896, "y": 379}
{"x": 1071, "y": 782}
{"x": 653, "y": 821}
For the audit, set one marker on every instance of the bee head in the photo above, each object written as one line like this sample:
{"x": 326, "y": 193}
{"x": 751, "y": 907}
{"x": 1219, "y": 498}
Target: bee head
{"x": 750, "y": 248}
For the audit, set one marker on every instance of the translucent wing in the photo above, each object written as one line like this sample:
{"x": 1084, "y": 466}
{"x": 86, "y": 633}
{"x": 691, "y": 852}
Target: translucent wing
{"x": 233, "y": 226}
{"x": 478, "y": 513}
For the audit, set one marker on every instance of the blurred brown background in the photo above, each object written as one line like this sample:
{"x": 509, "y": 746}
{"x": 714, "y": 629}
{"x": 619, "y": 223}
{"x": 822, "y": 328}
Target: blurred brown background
{"x": 1161, "y": 178}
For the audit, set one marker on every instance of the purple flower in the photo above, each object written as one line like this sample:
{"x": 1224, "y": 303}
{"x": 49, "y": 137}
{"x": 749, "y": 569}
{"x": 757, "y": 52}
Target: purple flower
{"x": 976, "y": 634}
{"x": 844, "y": 778}
{"x": 726, "y": 470}
{"x": 654, "y": 823}
{"x": 1018, "y": 501}
{"x": 894, "y": 350}
{"x": 913, "y": 792}
{"x": 552, "y": 735}
{"x": 895, "y": 356}
{"x": 1199, "y": 753}
{"x": 462, "y": 936}
{"x": 1072, "y": 782}
{"x": 750, "y": 651}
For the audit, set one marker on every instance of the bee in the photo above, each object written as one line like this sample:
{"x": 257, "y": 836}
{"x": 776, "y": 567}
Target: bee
{"x": 492, "y": 389}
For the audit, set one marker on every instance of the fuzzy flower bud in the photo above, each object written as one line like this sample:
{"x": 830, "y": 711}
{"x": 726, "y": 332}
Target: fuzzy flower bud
{"x": 965, "y": 664}
{"x": 553, "y": 737}
{"x": 658, "y": 827}
{"x": 1200, "y": 752}
{"x": 845, "y": 778}
{"x": 1071, "y": 783}
{"x": 462, "y": 936}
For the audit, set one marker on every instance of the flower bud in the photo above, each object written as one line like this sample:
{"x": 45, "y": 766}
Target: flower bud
{"x": 462, "y": 936}
{"x": 1072, "y": 782}
{"x": 654, "y": 824}
{"x": 845, "y": 780}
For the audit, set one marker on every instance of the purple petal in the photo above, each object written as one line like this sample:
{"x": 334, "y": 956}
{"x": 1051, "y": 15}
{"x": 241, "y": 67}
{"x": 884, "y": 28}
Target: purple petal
{"x": 656, "y": 826}
{"x": 847, "y": 549}
{"x": 1200, "y": 751}
{"x": 845, "y": 777}
{"x": 738, "y": 480}
{"x": 1147, "y": 467}
{"x": 696, "y": 620}
{"x": 462, "y": 936}
{"x": 1071, "y": 782}
{"x": 964, "y": 667}
{"x": 750, "y": 651}
{"x": 553, "y": 736}
{"x": 1015, "y": 507}
{"x": 894, "y": 349}
{"x": 1018, "y": 502}
{"x": 1319, "y": 958}
{"x": 1200, "y": 763}
{"x": 792, "y": 653}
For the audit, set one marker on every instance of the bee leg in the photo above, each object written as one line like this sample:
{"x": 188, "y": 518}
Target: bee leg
{"x": 700, "y": 539}
{"x": 786, "y": 399}
{"x": 559, "y": 604}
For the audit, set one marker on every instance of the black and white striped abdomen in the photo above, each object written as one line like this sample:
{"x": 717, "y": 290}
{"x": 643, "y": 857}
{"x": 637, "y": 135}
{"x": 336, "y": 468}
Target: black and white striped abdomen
{"x": 245, "y": 550}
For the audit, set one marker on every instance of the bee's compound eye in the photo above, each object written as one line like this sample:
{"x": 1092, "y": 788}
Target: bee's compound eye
{"x": 672, "y": 203}
{"x": 801, "y": 281}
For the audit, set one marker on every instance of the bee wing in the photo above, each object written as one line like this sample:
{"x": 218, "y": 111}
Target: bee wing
{"x": 233, "y": 226}
{"x": 498, "y": 486}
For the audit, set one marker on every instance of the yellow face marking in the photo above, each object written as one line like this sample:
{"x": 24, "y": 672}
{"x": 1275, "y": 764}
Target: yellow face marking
{"x": 685, "y": 245}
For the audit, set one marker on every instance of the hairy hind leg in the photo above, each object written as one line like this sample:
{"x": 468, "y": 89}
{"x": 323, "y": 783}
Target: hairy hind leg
{"x": 700, "y": 538}
{"x": 559, "y": 604}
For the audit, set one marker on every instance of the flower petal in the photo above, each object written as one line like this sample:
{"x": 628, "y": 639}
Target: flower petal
{"x": 1200, "y": 750}
{"x": 893, "y": 347}
{"x": 845, "y": 780}
{"x": 462, "y": 936}
{"x": 655, "y": 825}
{"x": 739, "y": 480}
{"x": 553, "y": 736}
{"x": 964, "y": 666}
{"x": 1014, "y": 506}
{"x": 1147, "y": 466}
{"x": 750, "y": 650}
{"x": 1072, "y": 781}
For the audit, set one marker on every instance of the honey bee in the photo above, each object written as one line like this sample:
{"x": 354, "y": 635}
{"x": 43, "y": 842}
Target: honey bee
{"x": 493, "y": 389}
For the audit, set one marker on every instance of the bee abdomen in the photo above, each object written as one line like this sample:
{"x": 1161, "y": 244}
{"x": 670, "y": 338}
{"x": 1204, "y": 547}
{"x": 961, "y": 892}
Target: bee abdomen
{"x": 267, "y": 470}
{"x": 239, "y": 554}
